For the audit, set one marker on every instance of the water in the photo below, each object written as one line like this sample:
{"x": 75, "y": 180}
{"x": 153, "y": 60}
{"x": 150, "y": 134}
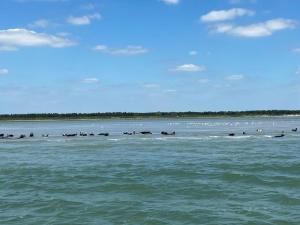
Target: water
{"x": 199, "y": 176}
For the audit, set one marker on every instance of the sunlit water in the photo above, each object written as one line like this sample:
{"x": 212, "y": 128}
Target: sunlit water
{"x": 199, "y": 176}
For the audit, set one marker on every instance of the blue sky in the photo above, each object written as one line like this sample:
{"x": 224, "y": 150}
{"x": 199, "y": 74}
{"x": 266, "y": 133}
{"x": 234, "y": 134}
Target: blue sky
{"x": 149, "y": 55}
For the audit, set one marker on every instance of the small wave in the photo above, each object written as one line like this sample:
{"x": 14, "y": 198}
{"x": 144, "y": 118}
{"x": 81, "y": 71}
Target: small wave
{"x": 186, "y": 138}
{"x": 114, "y": 139}
{"x": 267, "y": 136}
{"x": 239, "y": 137}
{"x": 214, "y": 136}
{"x": 236, "y": 137}
{"x": 56, "y": 140}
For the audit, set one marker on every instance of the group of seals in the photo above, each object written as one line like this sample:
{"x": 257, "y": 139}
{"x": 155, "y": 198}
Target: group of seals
{"x": 31, "y": 135}
{"x": 84, "y": 134}
{"x": 261, "y": 130}
{"x": 8, "y": 136}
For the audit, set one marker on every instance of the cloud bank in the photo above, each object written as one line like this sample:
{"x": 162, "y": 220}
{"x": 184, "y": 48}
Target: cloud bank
{"x": 83, "y": 20}
{"x": 90, "y": 80}
{"x": 223, "y": 15}
{"x": 262, "y": 29}
{"x": 130, "y": 50}
{"x": 13, "y": 39}
{"x": 190, "y": 68}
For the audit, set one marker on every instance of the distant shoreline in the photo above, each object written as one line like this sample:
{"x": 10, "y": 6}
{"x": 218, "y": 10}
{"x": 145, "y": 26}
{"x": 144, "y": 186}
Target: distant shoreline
{"x": 150, "y": 115}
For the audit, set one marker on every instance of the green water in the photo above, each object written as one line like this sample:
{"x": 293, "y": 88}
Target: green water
{"x": 199, "y": 176}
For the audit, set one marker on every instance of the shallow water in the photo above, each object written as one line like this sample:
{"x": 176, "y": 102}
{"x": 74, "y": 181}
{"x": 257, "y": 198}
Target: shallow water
{"x": 199, "y": 176}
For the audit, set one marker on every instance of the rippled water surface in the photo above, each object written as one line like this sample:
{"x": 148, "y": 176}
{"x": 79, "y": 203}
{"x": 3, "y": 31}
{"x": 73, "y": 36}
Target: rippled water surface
{"x": 199, "y": 176}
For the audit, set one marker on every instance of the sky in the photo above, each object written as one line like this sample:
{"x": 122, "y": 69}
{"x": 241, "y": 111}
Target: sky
{"x": 148, "y": 55}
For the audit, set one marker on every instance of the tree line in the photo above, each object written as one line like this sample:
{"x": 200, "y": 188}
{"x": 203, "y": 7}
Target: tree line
{"x": 135, "y": 115}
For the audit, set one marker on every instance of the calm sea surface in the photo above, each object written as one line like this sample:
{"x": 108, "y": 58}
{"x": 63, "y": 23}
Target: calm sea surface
{"x": 199, "y": 176}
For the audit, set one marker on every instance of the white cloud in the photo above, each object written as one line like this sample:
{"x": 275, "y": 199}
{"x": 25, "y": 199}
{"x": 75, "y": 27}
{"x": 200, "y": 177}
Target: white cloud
{"x": 130, "y": 50}
{"x": 3, "y": 71}
{"x": 83, "y": 20}
{"x": 101, "y": 48}
{"x": 266, "y": 28}
{"x": 63, "y": 34}
{"x": 12, "y": 39}
{"x": 151, "y": 86}
{"x": 90, "y": 80}
{"x": 193, "y": 52}
{"x": 42, "y": 23}
{"x": 191, "y": 68}
{"x": 222, "y": 15}
{"x": 170, "y": 91}
{"x": 223, "y": 28}
{"x": 298, "y": 72}
{"x": 235, "y": 77}
{"x": 171, "y": 2}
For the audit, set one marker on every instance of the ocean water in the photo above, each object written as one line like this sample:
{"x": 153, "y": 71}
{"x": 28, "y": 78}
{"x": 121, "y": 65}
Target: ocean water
{"x": 199, "y": 176}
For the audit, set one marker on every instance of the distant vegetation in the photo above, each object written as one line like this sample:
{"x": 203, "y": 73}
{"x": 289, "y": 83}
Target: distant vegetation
{"x": 131, "y": 115}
